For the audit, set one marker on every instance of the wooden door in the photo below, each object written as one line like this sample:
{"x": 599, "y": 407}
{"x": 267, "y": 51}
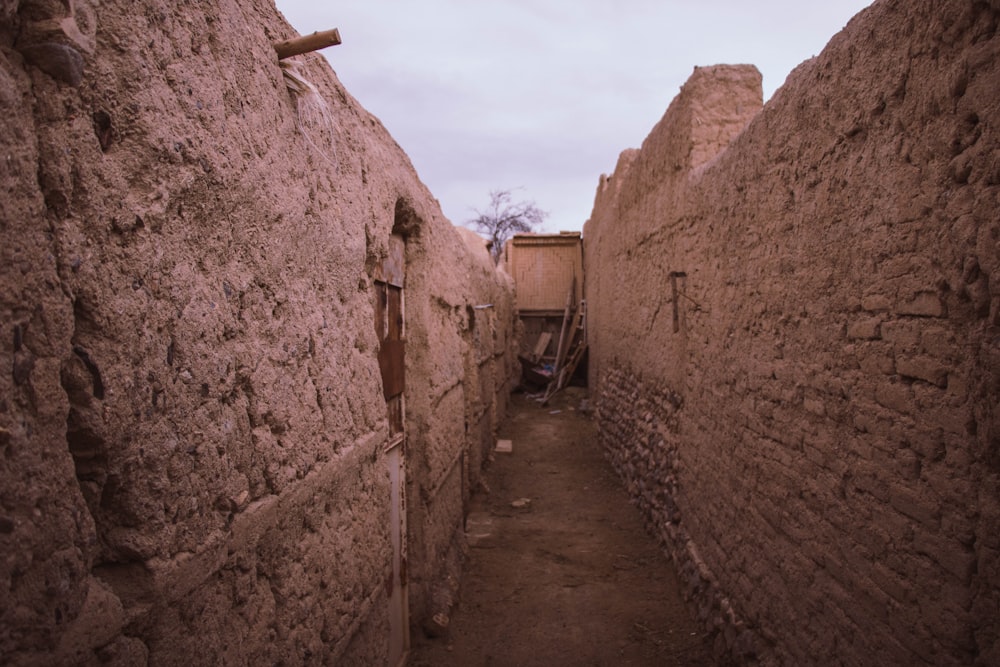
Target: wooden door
{"x": 390, "y": 327}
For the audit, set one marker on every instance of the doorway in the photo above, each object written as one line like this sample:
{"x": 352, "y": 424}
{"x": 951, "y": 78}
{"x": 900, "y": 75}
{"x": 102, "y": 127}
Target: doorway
{"x": 390, "y": 326}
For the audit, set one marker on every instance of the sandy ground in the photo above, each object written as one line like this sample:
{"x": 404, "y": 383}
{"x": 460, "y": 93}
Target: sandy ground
{"x": 561, "y": 571}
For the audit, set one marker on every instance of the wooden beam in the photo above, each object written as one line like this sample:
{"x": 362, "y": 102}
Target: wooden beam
{"x": 561, "y": 349}
{"x": 299, "y": 45}
{"x": 541, "y": 346}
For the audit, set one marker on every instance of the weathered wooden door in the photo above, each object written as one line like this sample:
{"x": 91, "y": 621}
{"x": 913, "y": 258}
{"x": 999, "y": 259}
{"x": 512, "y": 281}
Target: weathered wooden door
{"x": 389, "y": 324}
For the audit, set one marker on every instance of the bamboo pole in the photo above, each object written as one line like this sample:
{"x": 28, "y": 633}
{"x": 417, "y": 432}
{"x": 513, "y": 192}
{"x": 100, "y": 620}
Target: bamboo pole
{"x": 299, "y": 45}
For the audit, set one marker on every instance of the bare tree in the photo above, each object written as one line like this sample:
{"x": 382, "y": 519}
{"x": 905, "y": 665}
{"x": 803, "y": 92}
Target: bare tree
{"x": 503, "y": 218}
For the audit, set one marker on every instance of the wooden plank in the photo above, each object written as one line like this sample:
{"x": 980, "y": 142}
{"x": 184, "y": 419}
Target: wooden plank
{"x": 543, "y": 343}
{"x": 564, "y": 376}
{"x": 394, "y": 410}
{"x": 394, "y": 265}
{"x": 570, "y": 340}
{"x": 381, "y": 305}
{"x": 392, "y": 268}
{"x": 391, "y": 361}
{"x": 561, "y": 349}
{"x": 299, "y": 45}
{"x": 571, "y": 365}
{"x": 394, "y": 316}
{"x": 577, "y": 348}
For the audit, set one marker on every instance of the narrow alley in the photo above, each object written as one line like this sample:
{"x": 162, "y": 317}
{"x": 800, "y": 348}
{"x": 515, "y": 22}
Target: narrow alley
{"x": 560, "y": 570}
{"x": 254, "y": 372}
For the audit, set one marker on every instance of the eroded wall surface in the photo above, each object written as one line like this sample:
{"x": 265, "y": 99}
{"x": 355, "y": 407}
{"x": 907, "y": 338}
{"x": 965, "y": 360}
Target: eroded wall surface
{"x": 795, "y": 343}
{"x": 192, "y": 426}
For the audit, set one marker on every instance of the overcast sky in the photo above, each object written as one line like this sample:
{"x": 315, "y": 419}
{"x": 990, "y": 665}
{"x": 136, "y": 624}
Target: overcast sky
{"x": 540, "y": 96}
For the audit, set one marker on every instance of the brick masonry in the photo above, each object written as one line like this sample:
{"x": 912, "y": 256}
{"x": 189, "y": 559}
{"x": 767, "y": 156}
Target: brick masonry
{"x": 795, "y": 337}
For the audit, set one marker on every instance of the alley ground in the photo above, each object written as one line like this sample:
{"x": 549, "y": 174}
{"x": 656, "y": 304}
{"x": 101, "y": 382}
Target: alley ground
{"x": 560, "y": 569}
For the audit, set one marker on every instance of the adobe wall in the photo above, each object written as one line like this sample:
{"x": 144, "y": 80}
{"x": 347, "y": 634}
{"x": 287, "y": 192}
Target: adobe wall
{"x": 192, "y": 426}
{"x": 795, "y": 343}
{"x": 462, "y": 314}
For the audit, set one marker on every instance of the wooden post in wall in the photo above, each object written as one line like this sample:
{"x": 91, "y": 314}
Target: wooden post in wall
{"x": 299, "y": 45}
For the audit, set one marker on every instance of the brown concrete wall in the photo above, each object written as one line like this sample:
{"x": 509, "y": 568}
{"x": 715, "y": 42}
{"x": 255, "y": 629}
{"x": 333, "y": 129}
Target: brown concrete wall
{"x": 191, "y": 415}
{"x": 795, "y": 343}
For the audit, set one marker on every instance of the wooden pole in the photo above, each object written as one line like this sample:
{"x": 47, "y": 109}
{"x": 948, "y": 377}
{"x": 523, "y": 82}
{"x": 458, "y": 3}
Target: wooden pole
{"x": 561, "y": 349}
{"x": 299, "y": 45}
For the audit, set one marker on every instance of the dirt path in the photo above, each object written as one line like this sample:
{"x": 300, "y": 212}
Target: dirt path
{"x": 570, "y": 578}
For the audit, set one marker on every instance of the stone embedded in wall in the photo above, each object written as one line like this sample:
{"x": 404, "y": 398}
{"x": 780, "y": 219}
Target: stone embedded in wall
{"x": 865, "y": 329}
{"x": 922, "y": 304}
{"x": 59, "y": 61}
{"x": 924, "y": 368}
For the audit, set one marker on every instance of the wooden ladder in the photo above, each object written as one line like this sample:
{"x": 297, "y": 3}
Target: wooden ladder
{"x": 576, "y": 347}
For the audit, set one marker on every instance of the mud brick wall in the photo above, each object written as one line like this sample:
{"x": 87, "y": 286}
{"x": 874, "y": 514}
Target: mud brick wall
{"x": 192, "y": 425}
{"x": 459, "y": 375}
{"x": 795, "y": 343}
